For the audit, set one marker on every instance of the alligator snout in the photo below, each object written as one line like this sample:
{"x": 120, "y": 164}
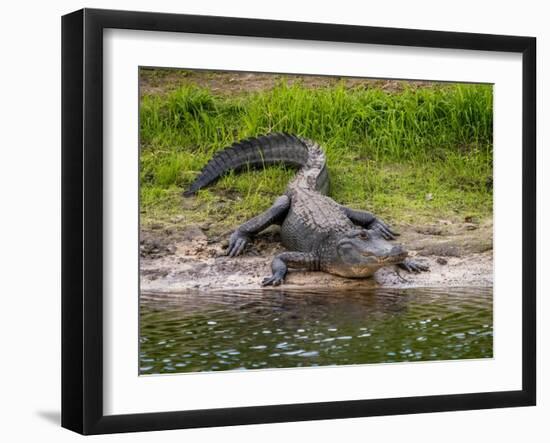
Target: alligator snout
{"x": 394, "y": 255}
{"x": 398, "y": 250}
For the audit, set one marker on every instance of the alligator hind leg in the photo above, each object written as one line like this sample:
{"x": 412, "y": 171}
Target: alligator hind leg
{"x": 243, "y": 234}
{"x": 281, "y": 263}
{"x": 369, "y": 221}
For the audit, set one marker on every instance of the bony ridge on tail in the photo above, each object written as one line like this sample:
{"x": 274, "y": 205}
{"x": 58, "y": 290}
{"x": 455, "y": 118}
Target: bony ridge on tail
{"x": 319, "y": 233}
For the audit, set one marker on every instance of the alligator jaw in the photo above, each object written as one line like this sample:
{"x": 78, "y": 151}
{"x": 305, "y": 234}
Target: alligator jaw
{"x": 388, "y": 259}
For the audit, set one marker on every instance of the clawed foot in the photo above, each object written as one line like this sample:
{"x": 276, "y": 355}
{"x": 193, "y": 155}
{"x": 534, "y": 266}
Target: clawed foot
{"x": 384, "y": 229}
{"x": 413, "y": 266}
{"x": 275, "y": 280}
{"x": 237, "y": 243}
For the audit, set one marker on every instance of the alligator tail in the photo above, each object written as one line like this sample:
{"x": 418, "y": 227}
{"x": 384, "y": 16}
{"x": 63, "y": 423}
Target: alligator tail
{"x": 257, "y": 152}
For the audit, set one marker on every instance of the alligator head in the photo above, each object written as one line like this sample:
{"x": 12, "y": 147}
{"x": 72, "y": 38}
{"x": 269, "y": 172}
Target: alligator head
{"x": 361, "y": 252}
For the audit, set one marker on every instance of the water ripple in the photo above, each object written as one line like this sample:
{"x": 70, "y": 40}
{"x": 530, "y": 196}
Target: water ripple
{"x": 197, "y": 331}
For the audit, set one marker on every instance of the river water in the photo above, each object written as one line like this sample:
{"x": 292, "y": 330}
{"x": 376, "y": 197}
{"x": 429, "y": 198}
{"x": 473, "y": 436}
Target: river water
{"x": 214, "y": 331}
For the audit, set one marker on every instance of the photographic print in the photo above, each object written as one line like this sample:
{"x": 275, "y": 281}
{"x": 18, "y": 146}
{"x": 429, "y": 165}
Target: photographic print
{"x": 328, "y": 221}
{"x": 301, "y": 221}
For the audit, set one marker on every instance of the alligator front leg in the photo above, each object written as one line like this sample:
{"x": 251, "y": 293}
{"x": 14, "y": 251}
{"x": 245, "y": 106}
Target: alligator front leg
{"x": 281, "y": 263}
{"x": 369, "y": 221}
{"x": 411, "y": 265}
{"x": 243, "y": 234}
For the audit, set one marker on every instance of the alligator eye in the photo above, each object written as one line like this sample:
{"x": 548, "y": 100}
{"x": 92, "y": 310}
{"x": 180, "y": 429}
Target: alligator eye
{"x": 363, "y": 235}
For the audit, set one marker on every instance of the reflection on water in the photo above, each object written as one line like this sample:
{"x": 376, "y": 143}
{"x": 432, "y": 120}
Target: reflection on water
{"x": 198, "y": 331}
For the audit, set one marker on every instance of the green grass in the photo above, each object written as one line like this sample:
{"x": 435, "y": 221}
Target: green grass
{"x": 418, "y": 154}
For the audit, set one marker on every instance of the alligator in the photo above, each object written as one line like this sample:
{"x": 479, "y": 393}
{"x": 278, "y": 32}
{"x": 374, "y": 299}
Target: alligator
{"x": 319, "y": 233}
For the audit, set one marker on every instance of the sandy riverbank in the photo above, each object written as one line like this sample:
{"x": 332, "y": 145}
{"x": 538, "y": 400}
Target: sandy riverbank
{"x": 178, "y": 258}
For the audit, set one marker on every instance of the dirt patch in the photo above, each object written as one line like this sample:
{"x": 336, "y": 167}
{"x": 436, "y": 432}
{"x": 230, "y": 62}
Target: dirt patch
{"x": 192, "y": 257}
{"x": 162, "y": 81}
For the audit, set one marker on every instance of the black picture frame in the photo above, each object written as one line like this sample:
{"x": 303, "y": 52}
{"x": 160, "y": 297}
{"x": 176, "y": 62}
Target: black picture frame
{"x": 82, "y": 218}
